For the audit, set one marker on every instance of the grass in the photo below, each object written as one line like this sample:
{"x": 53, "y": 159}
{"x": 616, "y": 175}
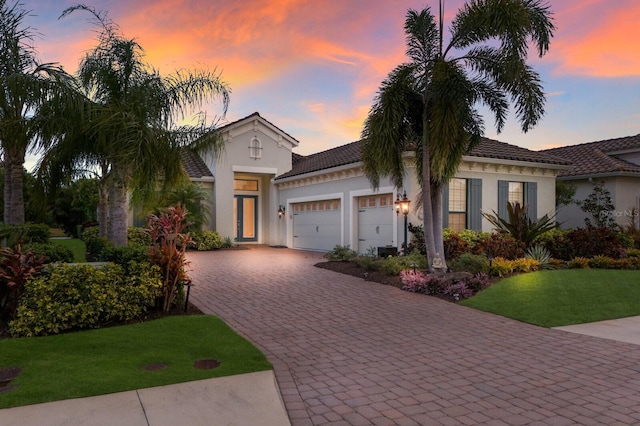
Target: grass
{"x": 76, "y": 245}
{"x": 564, "y": 297}
{"x": 110, "y": 360}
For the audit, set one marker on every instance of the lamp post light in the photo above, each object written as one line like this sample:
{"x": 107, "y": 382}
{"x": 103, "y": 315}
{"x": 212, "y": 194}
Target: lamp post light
{"x": 402, "y": 205}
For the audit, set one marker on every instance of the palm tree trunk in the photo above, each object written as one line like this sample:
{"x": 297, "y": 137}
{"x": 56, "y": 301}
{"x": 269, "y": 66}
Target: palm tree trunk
{"x": 427, "y": 207}
{"x": 7, "y": 189}
{"x": 103, "y": 203}
{"x": 14, "y": 159}
{"x": 436, "y": 194}
{"x": 118, "y": 207}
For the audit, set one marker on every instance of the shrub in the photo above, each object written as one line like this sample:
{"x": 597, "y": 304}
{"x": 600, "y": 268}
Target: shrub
{"x": 603, "y": 262}
{"x": 17, "y": 267}
{"x": 477, "y": 282}
{"x": 454, "y": 245}
{"x": 25, "y": 234}
{"x": 227, "y": 242}
{"x": 589, "y": 242}
{"x": 578, "y": 263}
{"x": 369, "y": 263}
{"x": 633, "y": 253}
{"x": 51, "y": 252}
{"x": 124, "y": 254}
{"x": 525, "y": 265}
{"x": 457, "y": 291}
{"x": 396, "y": 264}
{"x": 558, "y": 244}
{"x": 417, "y": 239}
{"x": 472, "y": 237}
{"x": 206, "y": 240}
{"x": 501, "y": 267}
{"x": 81, "y": 296}
{"x": 95, "y": 244}
{"x": 558, "y": 263}
{"x": 473, "y": 263}
{"x": 500, "y": 245}
{"x": 418, "y": 282}
{"x": 341, "y": 254}
{"x": 138, "y": 237}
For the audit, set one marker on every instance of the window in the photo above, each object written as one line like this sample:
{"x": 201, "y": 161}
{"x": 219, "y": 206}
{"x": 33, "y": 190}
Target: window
{"x": 516, "y": 193}
{"x": 245, "y": 185}
{"x": 255, "y": 148}
{"x": 458, "y": 204}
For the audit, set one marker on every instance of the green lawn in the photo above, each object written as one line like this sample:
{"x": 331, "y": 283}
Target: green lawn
{"x": 76, "y": 245}
{"x": 110, "y": 360}
{"x": 564, "y": 297}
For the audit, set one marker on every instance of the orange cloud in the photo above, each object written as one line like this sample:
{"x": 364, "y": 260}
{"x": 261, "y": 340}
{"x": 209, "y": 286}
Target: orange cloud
{"x": 605, "y": 45}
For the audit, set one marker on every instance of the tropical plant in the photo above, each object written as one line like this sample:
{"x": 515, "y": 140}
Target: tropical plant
{"x": 25, "y": 85}
{"x": 427, "y": 105}
{"x": 341, "y": 254}
{"x": 540, "y": 254}
{"x": 168, "y": 252}
{"x": 17, "y": 266}
{"x": 519, "y": 224}
{"x": 128, "y": 126}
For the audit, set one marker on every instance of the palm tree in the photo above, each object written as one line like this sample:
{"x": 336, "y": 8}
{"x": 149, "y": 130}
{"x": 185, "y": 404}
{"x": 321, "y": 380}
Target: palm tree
{"x": 129, "y": 126}
{"x": 428, "y": 105}
{"x": 25, "y": 85}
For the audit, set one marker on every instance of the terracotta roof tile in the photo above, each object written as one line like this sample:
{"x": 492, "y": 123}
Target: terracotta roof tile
{"x": 194, "y": 165}
{"x": 595, "y": 158}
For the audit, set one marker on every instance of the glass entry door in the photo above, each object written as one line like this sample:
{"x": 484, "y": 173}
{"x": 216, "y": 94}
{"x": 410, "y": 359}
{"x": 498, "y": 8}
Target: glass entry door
{"x": 245, "y": 214}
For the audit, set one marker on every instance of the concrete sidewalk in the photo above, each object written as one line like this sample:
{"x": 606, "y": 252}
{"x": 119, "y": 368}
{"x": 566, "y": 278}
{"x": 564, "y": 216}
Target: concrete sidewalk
{"x": 245, "y": 399}
{"x": 622, "y": 329}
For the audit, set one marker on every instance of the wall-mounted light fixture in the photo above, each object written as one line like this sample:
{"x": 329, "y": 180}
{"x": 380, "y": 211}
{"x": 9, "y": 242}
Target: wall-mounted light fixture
{"x": 281, "y": 211}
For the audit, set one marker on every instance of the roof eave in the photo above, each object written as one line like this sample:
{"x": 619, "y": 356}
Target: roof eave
{"x": 517, "y": 163}
{"x": 599, "y": 175}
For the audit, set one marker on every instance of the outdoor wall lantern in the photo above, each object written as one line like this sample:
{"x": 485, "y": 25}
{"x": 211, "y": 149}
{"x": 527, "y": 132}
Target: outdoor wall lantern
{"x": 402, "y": 206}
{"x": 281, "y": 211}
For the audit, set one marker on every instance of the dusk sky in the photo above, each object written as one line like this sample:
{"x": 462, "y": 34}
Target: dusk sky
{"x": 313, "y": 67}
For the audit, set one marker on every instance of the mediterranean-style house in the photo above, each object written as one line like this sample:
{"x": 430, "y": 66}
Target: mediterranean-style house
{"x": 614, "y": 162}
{"x": 262, "y": 192}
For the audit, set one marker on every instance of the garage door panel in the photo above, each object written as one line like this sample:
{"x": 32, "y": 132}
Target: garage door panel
{"x": 317, "y": 225}
{"x": 375, "y": 222}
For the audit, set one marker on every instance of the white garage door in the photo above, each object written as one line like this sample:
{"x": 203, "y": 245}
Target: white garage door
{"x": 316, "y": 225}
{"x": 375, "y": 222}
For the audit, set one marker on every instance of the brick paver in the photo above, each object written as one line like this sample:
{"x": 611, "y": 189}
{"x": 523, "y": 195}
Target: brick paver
{"x": 350, "y": 352}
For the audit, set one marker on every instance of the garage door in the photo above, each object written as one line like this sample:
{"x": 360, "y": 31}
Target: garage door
{"x": 375, "y": 222}
{"x": 316, "y": 225}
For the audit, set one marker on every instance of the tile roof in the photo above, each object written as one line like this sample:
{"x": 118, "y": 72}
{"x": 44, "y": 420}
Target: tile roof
{"x": 194, "y": 165}
{"x": 595, "y": 158}
{"x": 350, "y": 154}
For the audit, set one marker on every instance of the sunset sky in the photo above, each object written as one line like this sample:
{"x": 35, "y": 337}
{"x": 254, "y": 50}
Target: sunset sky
{"x": 312, "y": 67}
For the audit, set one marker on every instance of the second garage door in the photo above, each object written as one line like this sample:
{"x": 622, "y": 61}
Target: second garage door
{"x": 375, "y": 222}
{"x": 317, "y": 225}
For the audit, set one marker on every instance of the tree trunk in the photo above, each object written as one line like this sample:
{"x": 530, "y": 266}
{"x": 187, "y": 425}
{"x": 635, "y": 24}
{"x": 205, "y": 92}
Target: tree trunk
{"x": 436, "y": 195}
{"x": 7, "y": 189}
{"x": 103, "y": 207}
{"x": 15, "y": 202}
{"x": 427, "y": 207}
{"x": 118, "y": 207}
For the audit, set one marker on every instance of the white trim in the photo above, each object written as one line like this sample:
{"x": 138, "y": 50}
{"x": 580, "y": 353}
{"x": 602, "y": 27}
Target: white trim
{"x": 353, "y": 195}
{"x": 321, "y": 197}
{"x": 203, "y": 179}
{"x": 256, "y": 170}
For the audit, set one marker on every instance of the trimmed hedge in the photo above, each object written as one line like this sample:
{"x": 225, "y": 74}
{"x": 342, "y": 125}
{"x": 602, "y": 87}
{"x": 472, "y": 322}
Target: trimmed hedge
{"x": 81, "y": 296}
{"x": 51, "y": 252}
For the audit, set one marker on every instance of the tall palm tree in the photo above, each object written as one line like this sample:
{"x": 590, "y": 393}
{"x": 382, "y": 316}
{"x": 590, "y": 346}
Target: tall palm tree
{"x": 428, "y": 105}
{"x": 130, "y": 127}
{"x": 25, "y": 85}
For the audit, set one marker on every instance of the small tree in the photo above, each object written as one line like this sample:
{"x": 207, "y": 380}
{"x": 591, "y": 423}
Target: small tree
{"x": 600, "y": 207}
{"x": 565, "y": 193}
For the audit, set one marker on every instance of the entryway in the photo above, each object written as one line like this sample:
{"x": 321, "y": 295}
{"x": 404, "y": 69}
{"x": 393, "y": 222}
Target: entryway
{"x": 245, "y": 215}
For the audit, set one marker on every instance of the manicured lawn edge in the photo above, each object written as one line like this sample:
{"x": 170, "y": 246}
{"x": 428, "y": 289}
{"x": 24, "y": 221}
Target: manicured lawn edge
{"x": 563, "y": 297}
{"x": 111, "y": 360}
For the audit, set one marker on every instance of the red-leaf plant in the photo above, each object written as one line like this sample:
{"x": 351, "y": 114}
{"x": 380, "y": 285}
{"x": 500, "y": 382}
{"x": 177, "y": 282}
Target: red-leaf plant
{"x": 168, "y": 251}
{"x": 16, "y": 268}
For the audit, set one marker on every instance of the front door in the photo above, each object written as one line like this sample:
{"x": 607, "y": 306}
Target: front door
{"x": 245, "y": 214}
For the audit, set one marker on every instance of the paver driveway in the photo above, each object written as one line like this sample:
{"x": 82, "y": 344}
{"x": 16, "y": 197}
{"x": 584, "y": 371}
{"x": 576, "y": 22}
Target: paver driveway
{"x": 350, "y": 352}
